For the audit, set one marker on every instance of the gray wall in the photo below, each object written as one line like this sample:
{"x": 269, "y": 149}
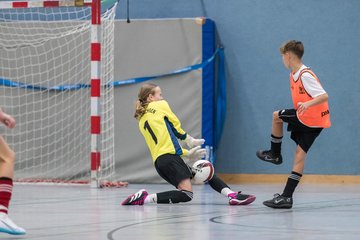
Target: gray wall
{"x": 252, "y": 31}
{"x": 147, "y": 48}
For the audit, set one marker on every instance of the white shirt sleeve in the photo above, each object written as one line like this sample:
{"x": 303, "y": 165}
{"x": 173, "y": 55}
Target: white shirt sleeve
{"x": 311, "y": 85}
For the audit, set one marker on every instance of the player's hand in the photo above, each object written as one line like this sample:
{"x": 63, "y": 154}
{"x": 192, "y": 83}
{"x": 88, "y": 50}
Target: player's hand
{"x": 7, "y": 120}
{"x": 302, "y": 107}
{"x": 196, "y": 153}
{"x": 193, "y": 142}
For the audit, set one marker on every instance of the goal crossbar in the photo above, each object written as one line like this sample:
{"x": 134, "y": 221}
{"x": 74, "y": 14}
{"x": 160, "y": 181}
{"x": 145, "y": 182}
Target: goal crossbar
{"x": 44, "y": 4}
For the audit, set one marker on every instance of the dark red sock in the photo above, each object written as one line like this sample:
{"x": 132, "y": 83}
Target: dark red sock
{"x": 6, "y": 185}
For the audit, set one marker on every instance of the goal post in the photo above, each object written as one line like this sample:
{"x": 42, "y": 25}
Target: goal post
{"x": 56, "y": 70}
{"x": 95, "y": 118}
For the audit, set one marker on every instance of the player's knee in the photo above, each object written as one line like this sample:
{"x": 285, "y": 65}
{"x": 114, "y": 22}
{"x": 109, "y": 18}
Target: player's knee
{"x": 182, "y": 196}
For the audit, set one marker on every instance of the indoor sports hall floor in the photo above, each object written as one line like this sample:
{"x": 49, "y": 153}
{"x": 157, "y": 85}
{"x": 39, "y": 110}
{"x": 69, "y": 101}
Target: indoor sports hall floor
{"x": 78, "y": 212}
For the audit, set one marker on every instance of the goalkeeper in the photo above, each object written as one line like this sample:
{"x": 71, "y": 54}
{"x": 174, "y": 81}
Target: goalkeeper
{"x": 7, "y": 157}
{"x": 161, "y": 130}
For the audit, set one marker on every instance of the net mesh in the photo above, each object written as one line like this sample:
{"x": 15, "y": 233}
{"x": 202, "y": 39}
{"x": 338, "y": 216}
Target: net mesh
{"x": 45, "y": 72}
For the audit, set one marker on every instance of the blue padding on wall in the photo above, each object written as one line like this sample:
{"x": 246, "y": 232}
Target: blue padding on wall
{"x": 9, "y": 83}
{"x": 220, "y": 99}
{"x": 208, "y": 82}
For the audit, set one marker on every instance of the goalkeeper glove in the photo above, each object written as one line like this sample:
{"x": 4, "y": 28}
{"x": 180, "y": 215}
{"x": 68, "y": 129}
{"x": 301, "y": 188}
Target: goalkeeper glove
{"x": 193, "y": 142}
{"x": 196, "y": 153}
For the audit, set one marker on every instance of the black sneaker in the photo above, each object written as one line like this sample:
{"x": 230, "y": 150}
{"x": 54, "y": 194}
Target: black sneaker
{"x": 279, "y": 202}
{"x": 268, "y": 157}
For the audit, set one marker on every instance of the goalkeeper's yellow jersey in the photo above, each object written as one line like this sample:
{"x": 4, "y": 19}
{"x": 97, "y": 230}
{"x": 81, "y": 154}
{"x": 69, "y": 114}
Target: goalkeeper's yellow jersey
{"x": 161, "y": 130}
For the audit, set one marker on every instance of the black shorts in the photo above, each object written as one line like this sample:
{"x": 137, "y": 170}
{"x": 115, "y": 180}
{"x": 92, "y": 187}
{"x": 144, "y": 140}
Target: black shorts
{"x": 172, "y": 168}
{"x": 303, "y": 135}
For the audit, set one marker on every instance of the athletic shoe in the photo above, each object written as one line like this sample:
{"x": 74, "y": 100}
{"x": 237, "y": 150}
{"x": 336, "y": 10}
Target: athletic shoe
{"x": 267, "y": 156}
{"x": 136, "y": 199}
{"x": 240, "y": 199}
{"x": 279, "y": 202}
{"x": 8, "y": 226}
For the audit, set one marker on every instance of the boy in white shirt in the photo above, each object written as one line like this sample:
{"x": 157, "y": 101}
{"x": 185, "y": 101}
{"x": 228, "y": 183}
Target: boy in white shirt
{"x": 305, "y": 121}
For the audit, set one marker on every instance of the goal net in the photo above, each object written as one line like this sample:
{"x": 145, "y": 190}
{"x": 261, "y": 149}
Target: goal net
{"x": 45, "y": 73}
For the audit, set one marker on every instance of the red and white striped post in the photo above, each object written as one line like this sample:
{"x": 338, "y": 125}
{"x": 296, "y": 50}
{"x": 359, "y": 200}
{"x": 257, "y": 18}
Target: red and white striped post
{"x": 41, "y": 3}
{"x": 95, "y": 119}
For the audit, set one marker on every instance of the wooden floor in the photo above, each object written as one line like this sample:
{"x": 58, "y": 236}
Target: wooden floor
{"x": 78, "y": 212}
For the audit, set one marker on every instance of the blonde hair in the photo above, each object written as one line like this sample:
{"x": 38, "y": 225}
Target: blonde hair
{"x": 142, "y": 103}
{"x": 293, "y": 46}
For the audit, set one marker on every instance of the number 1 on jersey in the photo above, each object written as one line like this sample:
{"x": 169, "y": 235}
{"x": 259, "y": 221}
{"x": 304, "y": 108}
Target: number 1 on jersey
{"x": 147, "y": 127}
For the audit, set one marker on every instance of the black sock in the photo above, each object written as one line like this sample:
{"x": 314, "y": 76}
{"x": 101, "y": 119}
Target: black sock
{"x": 174, "y": 196}
{"x": 217, "y": 184}
{"x": 276, "y": 145}
{"x": 291, "y": 184}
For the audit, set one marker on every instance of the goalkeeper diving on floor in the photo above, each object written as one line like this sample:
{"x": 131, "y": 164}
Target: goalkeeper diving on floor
{"x": 161, "y": 129}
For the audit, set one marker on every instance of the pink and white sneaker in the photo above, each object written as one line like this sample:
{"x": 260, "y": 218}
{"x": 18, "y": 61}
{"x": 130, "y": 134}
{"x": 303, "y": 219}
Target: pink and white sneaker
{"x": 240, "y": 199}
{"x": 137, "y": 198}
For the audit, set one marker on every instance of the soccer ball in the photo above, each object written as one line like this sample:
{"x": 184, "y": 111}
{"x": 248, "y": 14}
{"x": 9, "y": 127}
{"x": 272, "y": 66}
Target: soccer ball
{"x": 203, "y": 170}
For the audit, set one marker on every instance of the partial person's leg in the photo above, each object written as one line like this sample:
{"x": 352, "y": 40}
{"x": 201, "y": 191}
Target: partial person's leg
{"x": 274, "y": 154}
{"x": 285, "y": 200}
{"x": 296, "y": 174}
{"x": 185, "y": 185}
{"x": 304, "y": 141}
{"x": 276, "y": 134}
{"x": 183, "y": 193}
{"x": 179, "y": 177}
{"x": 235, "y": 198}
{"x": 277, "y": 125}
{"x": 7, "y": 158}
{"x": 299, "y": 160}
{"x": 174, "y": 170}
